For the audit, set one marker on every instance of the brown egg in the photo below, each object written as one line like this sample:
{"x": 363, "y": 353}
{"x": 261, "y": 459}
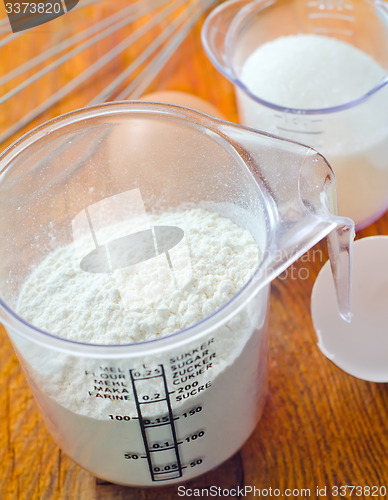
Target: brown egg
{"x": 158, "y": 155}
{"x": 184, "y": 99}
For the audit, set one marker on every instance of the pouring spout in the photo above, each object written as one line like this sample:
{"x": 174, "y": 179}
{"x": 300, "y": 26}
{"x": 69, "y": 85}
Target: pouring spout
{"x": 340, "y": 246}
{"x": 301, "y": 200}
{"x": 339, "y": 242}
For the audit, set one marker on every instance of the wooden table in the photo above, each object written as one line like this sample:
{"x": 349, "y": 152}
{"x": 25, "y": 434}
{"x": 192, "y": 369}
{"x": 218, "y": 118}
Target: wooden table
{"x": 320, "y": 427}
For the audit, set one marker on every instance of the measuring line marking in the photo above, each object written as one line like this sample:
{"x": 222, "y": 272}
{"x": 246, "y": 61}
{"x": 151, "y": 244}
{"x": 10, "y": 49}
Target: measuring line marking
{"x": 146, "y": 378}
{"x": 176, "y": 472}
{"x": 329, "y": 15}
{"x": 172, "y": 421}
{"x": 165, "y": 479}
{"x": 299, "y": 131}
{"x": 148, "y": 426}
{"x": 160, "y": 473}
{"x": 153, "y": 401}
{"x": 142, "y": 428}
{"x": 162, "y": 448}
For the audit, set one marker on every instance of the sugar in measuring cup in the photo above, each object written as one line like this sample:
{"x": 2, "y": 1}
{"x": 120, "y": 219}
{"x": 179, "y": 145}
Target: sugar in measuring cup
{"x": 99, "y": 197}
{"x": 314, "y": 72}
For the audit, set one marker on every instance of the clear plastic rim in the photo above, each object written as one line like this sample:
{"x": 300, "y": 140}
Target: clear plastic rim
{"x": 231, "y": 75}
{"x": 194, "y": 332}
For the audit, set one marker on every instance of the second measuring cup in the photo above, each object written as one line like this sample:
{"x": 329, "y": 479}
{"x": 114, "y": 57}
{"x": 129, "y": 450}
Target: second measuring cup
{"x": 167, "y": 409}
{"x": 352, "y": 135}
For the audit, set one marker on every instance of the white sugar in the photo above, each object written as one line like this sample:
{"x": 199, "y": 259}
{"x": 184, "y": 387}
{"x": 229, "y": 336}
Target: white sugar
{"x": 310, "y": 72}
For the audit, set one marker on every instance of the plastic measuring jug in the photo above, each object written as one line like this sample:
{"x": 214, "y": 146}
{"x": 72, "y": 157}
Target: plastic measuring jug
{"x": 353, "y": 135}
{"x": 172, "y": 408}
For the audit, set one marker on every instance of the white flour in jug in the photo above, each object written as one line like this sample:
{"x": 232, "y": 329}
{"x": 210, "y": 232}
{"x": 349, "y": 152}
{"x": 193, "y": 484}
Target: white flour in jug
{"x": 61, "y": 298}
{"x": 89, "y": 403}
{"x": 309, "y": 71}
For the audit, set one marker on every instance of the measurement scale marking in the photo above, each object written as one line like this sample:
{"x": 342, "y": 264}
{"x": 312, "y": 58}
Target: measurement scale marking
{"x": 328, "y": 15}
{"x": 175, "y": 473}
{"x": 172, "y": 422}
{"x": 165, "y": 472}
{"x": 146, "y": 378}
{"x": 165, "y": 448}
{"x": 150, "y": 402}
{"x": 165, "y": 479}
{"x": 162, "y": 449}
{"x": 299, "y": 131}
{"x": 147, "y": 426}
{"x": 142, "y": 428}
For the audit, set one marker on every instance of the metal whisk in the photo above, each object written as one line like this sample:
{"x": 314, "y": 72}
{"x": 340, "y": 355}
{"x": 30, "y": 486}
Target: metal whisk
{"x": 149, "y": 31}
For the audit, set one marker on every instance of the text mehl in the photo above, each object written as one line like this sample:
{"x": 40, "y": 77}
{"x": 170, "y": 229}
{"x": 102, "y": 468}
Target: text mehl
{"x": 110, "y": 384}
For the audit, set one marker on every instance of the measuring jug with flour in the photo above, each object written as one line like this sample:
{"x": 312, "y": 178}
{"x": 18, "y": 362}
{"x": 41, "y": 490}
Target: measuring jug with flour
{"x": 167, "y": 409}
{"x": 314, "y": 72}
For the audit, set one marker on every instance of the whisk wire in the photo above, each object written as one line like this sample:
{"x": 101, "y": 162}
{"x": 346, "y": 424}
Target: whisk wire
{"x": 137, "y": 87}
{"x": 92, "y": 41}
{"x": 9, "y": 38}
{"x": 66, "y": 44}
{"x": 158, "y": 53}
{"x": 150, "y": 50}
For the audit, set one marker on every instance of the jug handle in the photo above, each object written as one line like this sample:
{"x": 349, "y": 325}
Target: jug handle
{"x": 341, "y": 234}
{"x": 302, "y": 198}
{"x": 214, "y": 33}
